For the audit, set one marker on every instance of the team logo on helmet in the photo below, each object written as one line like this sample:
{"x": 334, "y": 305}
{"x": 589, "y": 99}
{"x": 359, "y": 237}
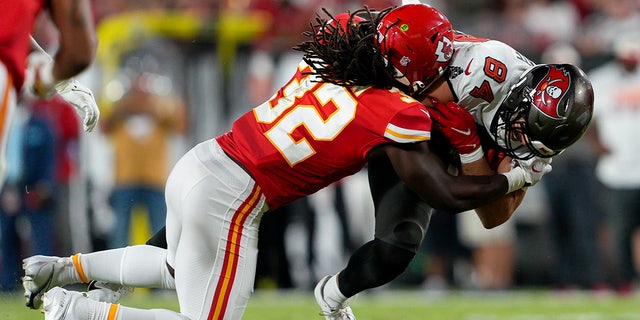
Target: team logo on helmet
{"x": 550, "y": 91}
{"x": 444, "y": 51}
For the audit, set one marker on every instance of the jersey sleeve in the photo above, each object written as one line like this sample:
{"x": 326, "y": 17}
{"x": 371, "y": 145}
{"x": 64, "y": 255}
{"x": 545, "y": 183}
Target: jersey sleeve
{"x": 409, "y": 125}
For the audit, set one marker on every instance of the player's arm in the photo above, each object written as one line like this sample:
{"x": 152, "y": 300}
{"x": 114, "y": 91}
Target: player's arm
{"x": 425, "y": 173}
{"x": 77, "y": 40}
{"x": 459, "y": 127}
{"x": 500, "y": 210}
{"x": 40, "y": 66}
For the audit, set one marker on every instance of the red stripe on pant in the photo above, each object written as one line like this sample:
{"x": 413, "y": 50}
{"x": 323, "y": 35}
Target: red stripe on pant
{"x": 232, "y": 254}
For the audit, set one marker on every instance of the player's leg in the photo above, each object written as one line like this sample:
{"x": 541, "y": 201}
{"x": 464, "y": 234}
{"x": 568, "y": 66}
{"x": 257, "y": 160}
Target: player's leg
{"x": 156, "y": 207}
{"x": 62, "y": 304}
{"x": 401, "y": 223}
{"x": 215, "y": 250}
{"x": 135, "y": 266}
{"x": 211, "y": 238}
{"x": 122, "y": 199}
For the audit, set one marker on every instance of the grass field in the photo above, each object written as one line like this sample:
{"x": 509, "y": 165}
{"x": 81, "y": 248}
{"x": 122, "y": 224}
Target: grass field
{"x": 404, "y": 305}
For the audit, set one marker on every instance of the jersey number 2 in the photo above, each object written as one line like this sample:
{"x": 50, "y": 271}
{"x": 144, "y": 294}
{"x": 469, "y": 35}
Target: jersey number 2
{"x": 290, "y": 116}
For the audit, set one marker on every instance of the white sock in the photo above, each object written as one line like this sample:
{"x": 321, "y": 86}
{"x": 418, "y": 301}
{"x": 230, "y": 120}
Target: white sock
{"x": 127, "y": 313}
{"x": 135, "y": 266}
{"x": 84, "y": 308}
{"x": 93, "y": 310}
{"x": 332, "y": 294}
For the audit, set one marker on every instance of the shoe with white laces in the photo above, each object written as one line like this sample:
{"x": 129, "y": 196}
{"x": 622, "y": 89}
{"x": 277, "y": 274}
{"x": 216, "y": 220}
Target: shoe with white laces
{"x": 42, "y": 273}
{"x": 340, "y": 312}
{"x": 106, "y": 292}
{"x": 60, "y": 303}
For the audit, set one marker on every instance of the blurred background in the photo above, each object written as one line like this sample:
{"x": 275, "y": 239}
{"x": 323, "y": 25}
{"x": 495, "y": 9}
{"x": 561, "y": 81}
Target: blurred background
{"x": 172, "y": 73}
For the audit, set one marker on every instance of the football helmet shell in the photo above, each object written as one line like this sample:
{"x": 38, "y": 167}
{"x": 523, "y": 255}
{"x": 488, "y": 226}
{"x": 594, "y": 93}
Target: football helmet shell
{"x": 545, "y": 112}
{"x": 339, "y": 22}
{"x": 417, "y": 40}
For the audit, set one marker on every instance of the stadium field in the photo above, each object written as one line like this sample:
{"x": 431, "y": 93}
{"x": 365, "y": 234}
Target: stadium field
{"x": 404, "y": 305}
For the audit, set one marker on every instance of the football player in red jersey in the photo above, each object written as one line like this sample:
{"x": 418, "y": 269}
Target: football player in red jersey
{"x": 349, "y": 102}
{"x": 37, "y": 72}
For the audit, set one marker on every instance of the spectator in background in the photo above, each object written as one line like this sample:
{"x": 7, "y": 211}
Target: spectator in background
{"x": 550, "y": 21}
{"x": 11, "y": 205}
{"x": 29, "y": 193}
{"x": 140, "y": 128}
{"x": 617, "y": 88}
{"x": 571, "y": 188}
{"x": 66, "y": 131}
{"x": 492, "y": 251}
{"x": 602, "y": 27}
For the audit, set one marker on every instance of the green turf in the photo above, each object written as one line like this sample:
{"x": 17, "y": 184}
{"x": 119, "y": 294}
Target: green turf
{"x": 403, "y": 305}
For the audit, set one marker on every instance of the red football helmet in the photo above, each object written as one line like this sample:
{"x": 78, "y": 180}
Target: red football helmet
{"x": 339, "y": 22}
{"x": 417, "y": 40}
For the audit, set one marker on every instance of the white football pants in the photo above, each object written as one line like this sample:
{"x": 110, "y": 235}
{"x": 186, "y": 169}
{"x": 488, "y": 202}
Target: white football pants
{"x": 213, "y": 213}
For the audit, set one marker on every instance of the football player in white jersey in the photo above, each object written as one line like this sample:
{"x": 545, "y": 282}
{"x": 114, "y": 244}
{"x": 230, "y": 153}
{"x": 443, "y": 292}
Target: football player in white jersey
{"x": 493, "y": 103}
{"x": 523, "y": 110}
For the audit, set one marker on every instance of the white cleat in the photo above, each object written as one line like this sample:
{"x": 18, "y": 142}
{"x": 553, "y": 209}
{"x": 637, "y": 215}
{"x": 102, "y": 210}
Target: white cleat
{"x": 60, "y": 303}
{"x": 106, "y": 292}
{"x": 341, "y": 312}
{"x": 40, "y": 274}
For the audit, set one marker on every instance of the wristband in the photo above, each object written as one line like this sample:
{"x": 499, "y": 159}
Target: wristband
{"x": 472, "y": 157}
{"x": 516, "y": 178}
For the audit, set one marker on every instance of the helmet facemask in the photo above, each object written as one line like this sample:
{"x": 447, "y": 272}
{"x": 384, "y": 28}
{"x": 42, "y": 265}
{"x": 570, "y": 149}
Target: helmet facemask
{"x": 510, "y": 127}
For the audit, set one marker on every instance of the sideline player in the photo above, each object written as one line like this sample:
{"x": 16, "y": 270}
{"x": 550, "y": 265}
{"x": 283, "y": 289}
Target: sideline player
{"x": 76, "y": 51}
{"x": 338, "y": 111}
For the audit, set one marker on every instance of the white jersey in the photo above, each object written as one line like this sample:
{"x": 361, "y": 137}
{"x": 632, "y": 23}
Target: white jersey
{"x": 617, "y": 116}
{"x": 482, "y": 73}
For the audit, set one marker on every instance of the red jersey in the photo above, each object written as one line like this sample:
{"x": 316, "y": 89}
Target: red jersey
{"x": 311, "y": 134}
{"x": 17, "y": 18}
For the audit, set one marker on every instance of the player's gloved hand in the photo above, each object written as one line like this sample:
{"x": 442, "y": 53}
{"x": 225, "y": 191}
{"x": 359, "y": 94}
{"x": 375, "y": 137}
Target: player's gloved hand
{"x": 526, "y": 173}
{"x": 81, "y": 98}
{"x": 39, "y": 80}
{"x": 536, "y": 167}
{"x": 459, "y": 127}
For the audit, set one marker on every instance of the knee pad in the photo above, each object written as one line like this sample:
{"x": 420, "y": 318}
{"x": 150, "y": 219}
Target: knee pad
{"x": 407, "y": 235}
{"x": 402, "y": 218}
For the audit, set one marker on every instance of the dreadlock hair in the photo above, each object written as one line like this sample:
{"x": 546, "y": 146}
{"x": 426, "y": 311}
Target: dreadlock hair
{"x": 347, "y": 57}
